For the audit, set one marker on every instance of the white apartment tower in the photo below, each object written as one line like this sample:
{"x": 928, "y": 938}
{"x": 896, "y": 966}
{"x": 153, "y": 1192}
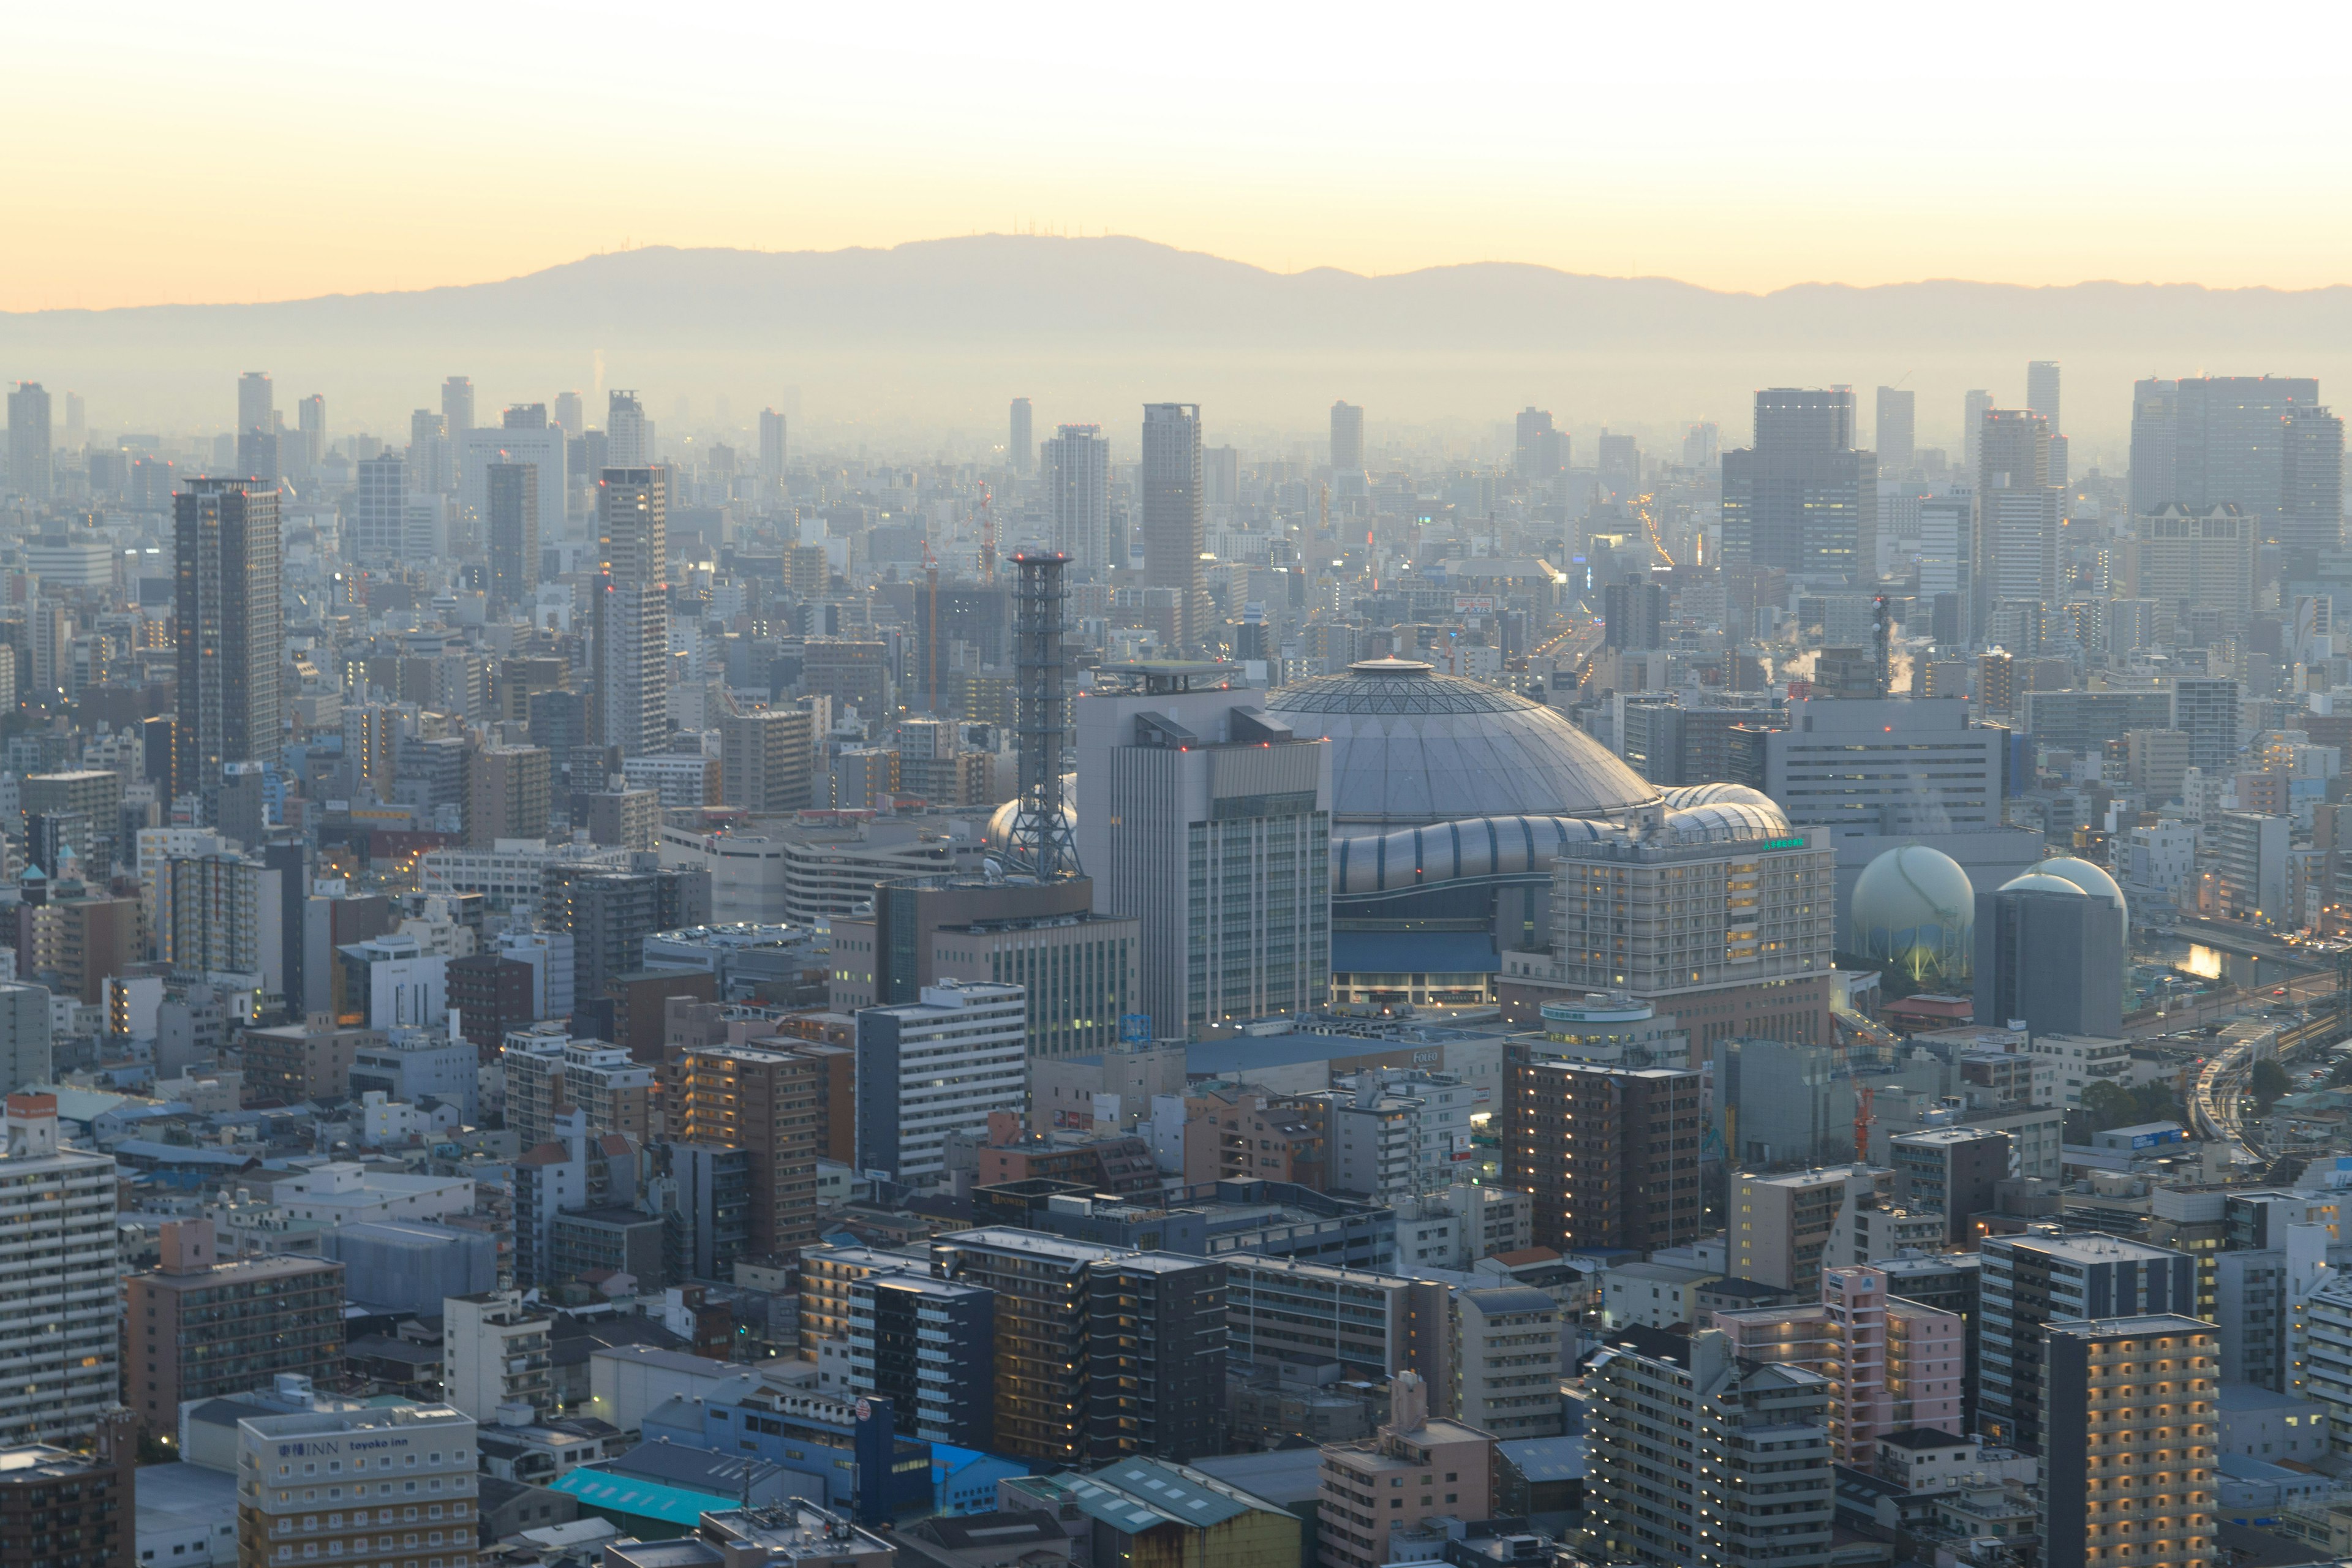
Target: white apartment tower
{"x": 58, "y": 1284}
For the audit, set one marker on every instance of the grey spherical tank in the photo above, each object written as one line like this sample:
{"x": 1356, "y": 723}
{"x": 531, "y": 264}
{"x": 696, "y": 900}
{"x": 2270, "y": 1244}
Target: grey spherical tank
{"x": 1412, "y": 746}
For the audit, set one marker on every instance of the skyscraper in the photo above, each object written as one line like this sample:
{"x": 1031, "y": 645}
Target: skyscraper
{"x": 1897, "y": 421}
{"x": 1541, "y": 453}
{"x": 2017, "y": 510}
{"x": 1347, "y": 438}
{"x": 379, "y": 510}
{"x": 632, "y": 602}
{"x": 428, "y": 450}
{"x": 1021, "y": 441}
{"x": 232, "y": 649}
{"x": 28, "y": 440}
{"x": 457, "y": 407}
{"x": 2041, "y": 392}
{"x": 2311, "y": 481}
{"x": 2204, "y": 440}
{"x": 771, "y": 446}
{"x": 2130, "y": 1414}
{"x": 257, "y": 403}
{"x": 627, "y": 445}
{"x": 1801, "y": 498}
{"x": 1078, "y": 496}
{"x": 1972, "y": 412}
{"x": 1175, "y": 525}
{"x": 570, "y": 416}
{"x": 311, "y": 416}
{"x": 514, "y": 535}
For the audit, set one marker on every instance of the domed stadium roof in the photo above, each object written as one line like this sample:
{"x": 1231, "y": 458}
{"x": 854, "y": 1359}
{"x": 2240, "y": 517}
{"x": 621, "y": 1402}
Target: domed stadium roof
{"x": 1412, "y": 746}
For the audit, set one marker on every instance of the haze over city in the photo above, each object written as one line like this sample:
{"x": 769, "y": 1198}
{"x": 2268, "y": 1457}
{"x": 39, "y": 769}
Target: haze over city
{"x": 1271, "y": 787}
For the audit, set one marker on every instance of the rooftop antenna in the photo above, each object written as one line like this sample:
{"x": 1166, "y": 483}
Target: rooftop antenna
{"x": 1041, "y": 842}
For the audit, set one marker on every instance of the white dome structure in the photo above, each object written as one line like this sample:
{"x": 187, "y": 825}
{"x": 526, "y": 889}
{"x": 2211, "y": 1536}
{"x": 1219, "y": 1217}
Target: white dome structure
{"x": 2092, "y": 879}
{"x": 1912, "y": 912}
{"x": 2043, "y": 882}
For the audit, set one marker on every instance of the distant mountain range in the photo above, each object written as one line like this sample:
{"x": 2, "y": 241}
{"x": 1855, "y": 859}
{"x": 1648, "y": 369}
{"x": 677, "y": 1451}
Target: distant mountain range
{"x": 934, "y": 337}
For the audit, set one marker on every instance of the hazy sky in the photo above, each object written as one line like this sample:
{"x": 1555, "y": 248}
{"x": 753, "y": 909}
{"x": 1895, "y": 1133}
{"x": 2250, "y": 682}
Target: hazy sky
{"x": 267, "y": 151}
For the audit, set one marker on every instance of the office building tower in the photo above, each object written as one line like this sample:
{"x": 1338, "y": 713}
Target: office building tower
{"x": 1347, "y": 438}
{"x": 772, "y": 446}
{"x": 2311, "y": 481}
{"x": 1222, "y": 844}
{"x": 2052, "y": 956}
{"x": 29, "y": 445}
{"x": 1101, "y": 1352}
{"x": 457, "y": 407}
{"x": 59, "y": 1303}
{"x": 513, "y": 495}
{"x": 762, "y": 1099}
{"x": 2042, "y": 393}
{"x": 1077, "y": 496}
{"x": 278, "y": 1453}
{"x": 934, "y": 1067}
{"x": 1221, "y": 468}
{"x": 1175, "y": 528}
{"x": 1699, "y": 1458}
{"x": 507, "y": 791}
{"x": 2019, "y": 535}
{"x": 1947, "y": 560}
{"x": 628, "y": 440}
{"x": 379, "y": 520}
{"x": 1020, "y": 440}
{"x": 1702, "y": 445}
{"x": 1618, "y": 459}
{"x": 1897, "y": 765}
{"x": 2041, "y": 1278}
{"x": 257, "y": 403}
{"x": 571, "y": 414}
{"x": 2155, "y": 439}
{"x": 428, "y": 452}
{"x": 1895, "y": 431}
{"x": 1540, "y": 453}
{"x": 918, "y": 1343}
{"x": 198, "y": 1326}
{"x": 1974, "y": 404}
{"x": 2131, "y": 1418}
{"x": 310, "y": 416}
{"x": 2207, "y": 559}
{"x": 766, "y": 759}
{"x": 633, "y": 601}
{"x": 1610, "y": 1154}
{"x": 226, "y": 540}
{"x": 524, "y": 416}
{"x": 1800, "y": 497}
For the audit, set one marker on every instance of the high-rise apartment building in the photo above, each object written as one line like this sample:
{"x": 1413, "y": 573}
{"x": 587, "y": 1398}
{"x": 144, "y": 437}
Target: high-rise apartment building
{"x": 1175, "y": 526}
{"x": 1610, "y": 1154}
{"x": 1418, "y": 1469}
{"x": 1974, "y": 404}
{"x": 1214, "y": 831}
{"x": 2131, "y": 1418}
{"x": 2040, "y": 1277}
{"x": 2042, "y": 385}
{"x": 2208, "y": 559}
{"x": 919, "y": 1343}
{"x": 2311, "y": 481}
{"x": 1347, "y": 438}
{"x": 457, "y": 407}
{"x": 1101, "y": 1353}
{"x": 506, "y": 793}
{"x": 311, "y": 416}
{"x": 514, "y": 536}
{"x": 59, "y": 1306}
{"x": 232, "y": 661}
{"x": 1697, "y": 1458}
{"x": 766, "y": 759}
{"x": 1020, "y": 440}
{"x": 633, "y": 607}
{"x": 1800, "y": 497}
{"x": 1077, "y": 495}
{"x": 257, "y": 403}
{"x": 29, "y": 441}
{"x": 227, "y": 917}
{"x": 1895, "y": 431}
{"x": 82, "y": 1503}
{"x": 609, "y": 914}
{"x": 1782, "y": 1224}
{"x": 940, "y": 1065}
{"x": 764, "y": 1100}
{"x": 198, "y": 1327}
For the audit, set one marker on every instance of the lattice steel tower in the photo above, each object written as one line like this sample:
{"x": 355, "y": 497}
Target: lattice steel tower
{"x": 1041, "y": 843}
